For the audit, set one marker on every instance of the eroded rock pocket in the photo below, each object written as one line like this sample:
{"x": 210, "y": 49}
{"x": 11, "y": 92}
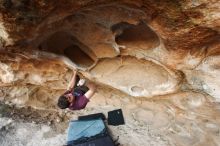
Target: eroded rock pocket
{"x": 63, "y": 43}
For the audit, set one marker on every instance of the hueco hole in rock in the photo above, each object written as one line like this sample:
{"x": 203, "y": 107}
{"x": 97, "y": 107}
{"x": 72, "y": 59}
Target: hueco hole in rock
{"x": 157, "y": 60}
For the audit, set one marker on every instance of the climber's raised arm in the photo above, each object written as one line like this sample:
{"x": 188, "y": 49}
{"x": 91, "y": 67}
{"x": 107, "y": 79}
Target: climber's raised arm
{"x": 91, "y": 91}
{"x": 72, "y": 82}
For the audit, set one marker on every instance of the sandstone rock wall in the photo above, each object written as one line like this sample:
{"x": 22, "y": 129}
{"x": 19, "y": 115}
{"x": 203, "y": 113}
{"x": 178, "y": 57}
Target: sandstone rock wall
{"x": 159, "y": 59}
{"x": 81, "y": 33}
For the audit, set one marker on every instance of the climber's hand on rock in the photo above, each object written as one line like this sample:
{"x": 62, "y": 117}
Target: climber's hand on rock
{"x": 75, "y": 70}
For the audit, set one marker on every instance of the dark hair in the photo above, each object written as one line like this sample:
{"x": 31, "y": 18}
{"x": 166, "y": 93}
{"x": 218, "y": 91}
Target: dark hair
{"x": 63, "y": 102}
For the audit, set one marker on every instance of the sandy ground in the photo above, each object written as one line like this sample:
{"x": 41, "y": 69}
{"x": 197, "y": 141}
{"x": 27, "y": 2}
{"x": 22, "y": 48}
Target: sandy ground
{"x": 180, "y": 119}
{"x": 29, "y": 127}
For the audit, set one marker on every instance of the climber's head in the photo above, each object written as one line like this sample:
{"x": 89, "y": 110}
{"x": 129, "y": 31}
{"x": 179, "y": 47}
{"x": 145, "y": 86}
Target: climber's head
{"x": 65, "y": 100}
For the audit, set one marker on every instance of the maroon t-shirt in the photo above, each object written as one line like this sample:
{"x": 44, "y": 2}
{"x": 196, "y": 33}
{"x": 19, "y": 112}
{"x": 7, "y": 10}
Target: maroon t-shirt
{"x": 79, "y": 103}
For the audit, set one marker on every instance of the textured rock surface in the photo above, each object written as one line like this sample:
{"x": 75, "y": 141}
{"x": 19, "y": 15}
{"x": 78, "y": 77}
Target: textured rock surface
{"x": 205, "y": 76}
{"x": 124, "y": 73}
{"x": 157, "y": 60}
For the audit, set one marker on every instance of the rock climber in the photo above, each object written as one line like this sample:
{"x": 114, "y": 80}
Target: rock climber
{"x": 77, "y": 95}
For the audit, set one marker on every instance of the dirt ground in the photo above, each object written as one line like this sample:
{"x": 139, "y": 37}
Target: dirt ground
{"x": 26, "y": 126}
{"x": 180, "y": 119}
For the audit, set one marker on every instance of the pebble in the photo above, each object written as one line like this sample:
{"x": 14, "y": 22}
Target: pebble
{"x": 49, "y": 123}
{"x": 6, "y": 102}
{"x": 58, "y": 120}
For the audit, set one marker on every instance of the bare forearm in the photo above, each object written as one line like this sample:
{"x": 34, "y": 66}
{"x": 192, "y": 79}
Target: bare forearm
{"x": 91, "y": 92}
{"x": 72, "y": 81}
{"x": 91, "y": 86}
